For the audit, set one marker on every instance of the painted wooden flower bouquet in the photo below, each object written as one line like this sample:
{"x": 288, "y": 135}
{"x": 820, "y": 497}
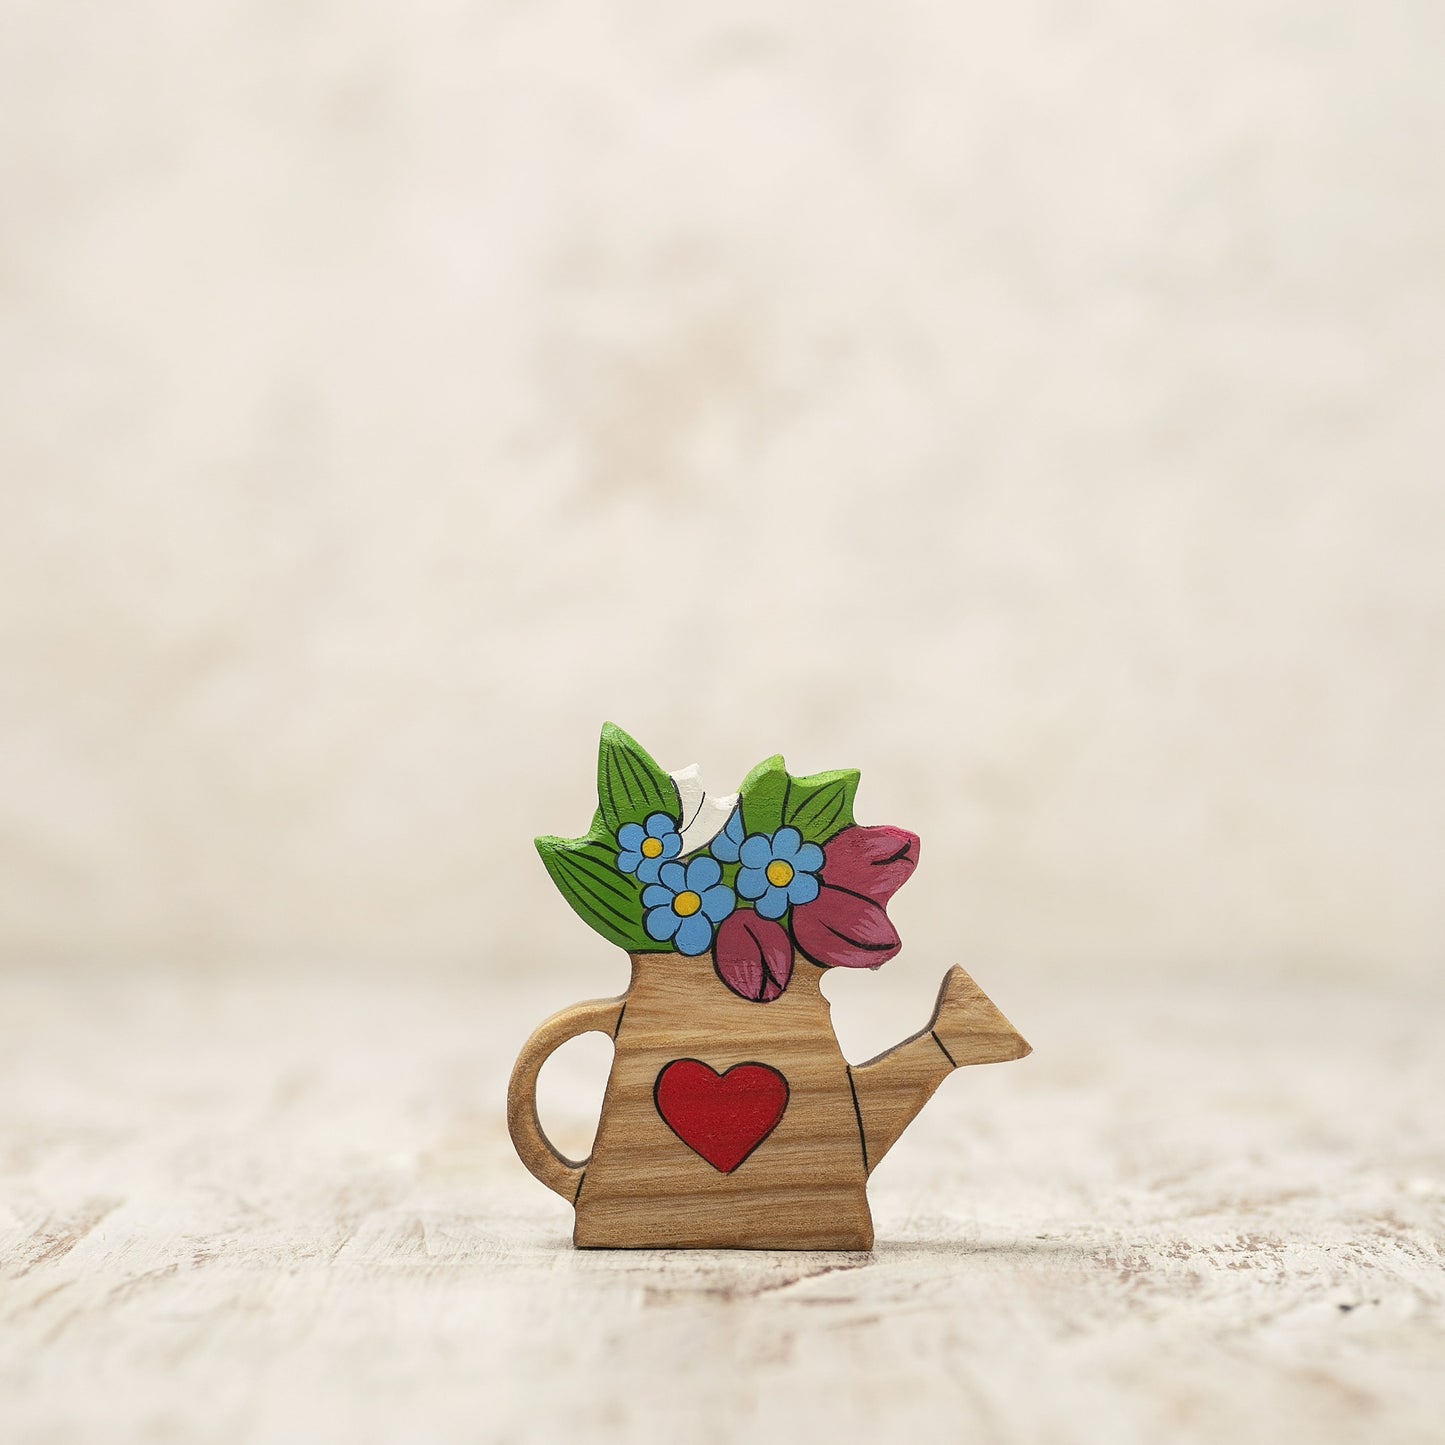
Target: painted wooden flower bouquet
{"x": 731, "y": 1117}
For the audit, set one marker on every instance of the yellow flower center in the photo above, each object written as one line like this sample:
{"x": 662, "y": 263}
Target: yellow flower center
{"x": 686, "y": 904}
{"x": 652, "y": 847}
{"x": 780, "y": 874}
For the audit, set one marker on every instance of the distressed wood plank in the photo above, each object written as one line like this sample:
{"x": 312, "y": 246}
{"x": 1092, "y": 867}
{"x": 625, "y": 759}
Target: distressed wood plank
{"x": 257, "y": 1211}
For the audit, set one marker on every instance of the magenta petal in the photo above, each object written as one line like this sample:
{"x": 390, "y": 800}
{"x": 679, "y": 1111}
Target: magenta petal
{"x": 754, "y": 956}
{"x": 875, "y": 862}
{"x": 842, "y": 930}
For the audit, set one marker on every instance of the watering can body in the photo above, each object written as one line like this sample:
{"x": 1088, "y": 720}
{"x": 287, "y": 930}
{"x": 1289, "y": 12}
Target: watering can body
{"x": 732, "y": 1124}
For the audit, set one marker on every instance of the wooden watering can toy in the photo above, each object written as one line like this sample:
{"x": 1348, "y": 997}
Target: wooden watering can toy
{"x": 731, "y": 1118}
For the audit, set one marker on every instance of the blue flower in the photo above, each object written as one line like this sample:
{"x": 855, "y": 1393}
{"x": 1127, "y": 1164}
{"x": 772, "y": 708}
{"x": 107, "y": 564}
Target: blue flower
{"x": 687, "y": 903}
{"x": 778, "y": 871}
{"x": 730, "y": 840}
{"x": 644, "y": 850}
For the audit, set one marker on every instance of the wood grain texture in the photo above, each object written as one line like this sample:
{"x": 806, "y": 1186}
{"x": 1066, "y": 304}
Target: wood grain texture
{"x": 550, "y": 1165}
{"x": 255, "y": 1211}
{"x": 802, "y": 1180}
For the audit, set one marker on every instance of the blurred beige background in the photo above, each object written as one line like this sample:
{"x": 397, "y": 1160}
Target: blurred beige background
{"x": 1038, "y": 407}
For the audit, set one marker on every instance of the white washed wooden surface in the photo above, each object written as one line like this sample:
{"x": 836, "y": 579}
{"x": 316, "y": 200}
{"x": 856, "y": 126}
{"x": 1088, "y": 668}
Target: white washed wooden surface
{"x": 288, "y": 1211}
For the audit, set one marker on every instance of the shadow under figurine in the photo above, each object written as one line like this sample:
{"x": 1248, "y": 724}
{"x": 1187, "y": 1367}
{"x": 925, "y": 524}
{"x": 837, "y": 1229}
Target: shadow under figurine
{"x": 731, "y": 1118}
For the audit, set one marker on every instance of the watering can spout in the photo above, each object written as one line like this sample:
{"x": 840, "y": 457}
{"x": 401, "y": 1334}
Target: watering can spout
{"x": 967, "y": 1027}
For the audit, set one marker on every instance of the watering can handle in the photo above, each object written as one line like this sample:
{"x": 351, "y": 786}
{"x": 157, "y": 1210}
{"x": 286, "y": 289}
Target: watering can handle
{"x": 537, "y": 1151}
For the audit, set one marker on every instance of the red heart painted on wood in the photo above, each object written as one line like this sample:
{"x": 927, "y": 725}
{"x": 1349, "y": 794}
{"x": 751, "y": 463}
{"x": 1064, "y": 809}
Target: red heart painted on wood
{"x": 722, "y": 1117}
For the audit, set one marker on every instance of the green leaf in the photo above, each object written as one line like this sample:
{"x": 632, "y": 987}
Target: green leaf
{"x": 630, "y": 785}
{"x": 585, "y": 871}
{"x": 819, "y": 806}
{"x": 630, "y": 788}
{"x": 764, "y": 794}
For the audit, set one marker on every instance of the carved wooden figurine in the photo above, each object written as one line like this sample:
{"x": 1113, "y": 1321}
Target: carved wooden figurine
{"x": 731, "y": 1118}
